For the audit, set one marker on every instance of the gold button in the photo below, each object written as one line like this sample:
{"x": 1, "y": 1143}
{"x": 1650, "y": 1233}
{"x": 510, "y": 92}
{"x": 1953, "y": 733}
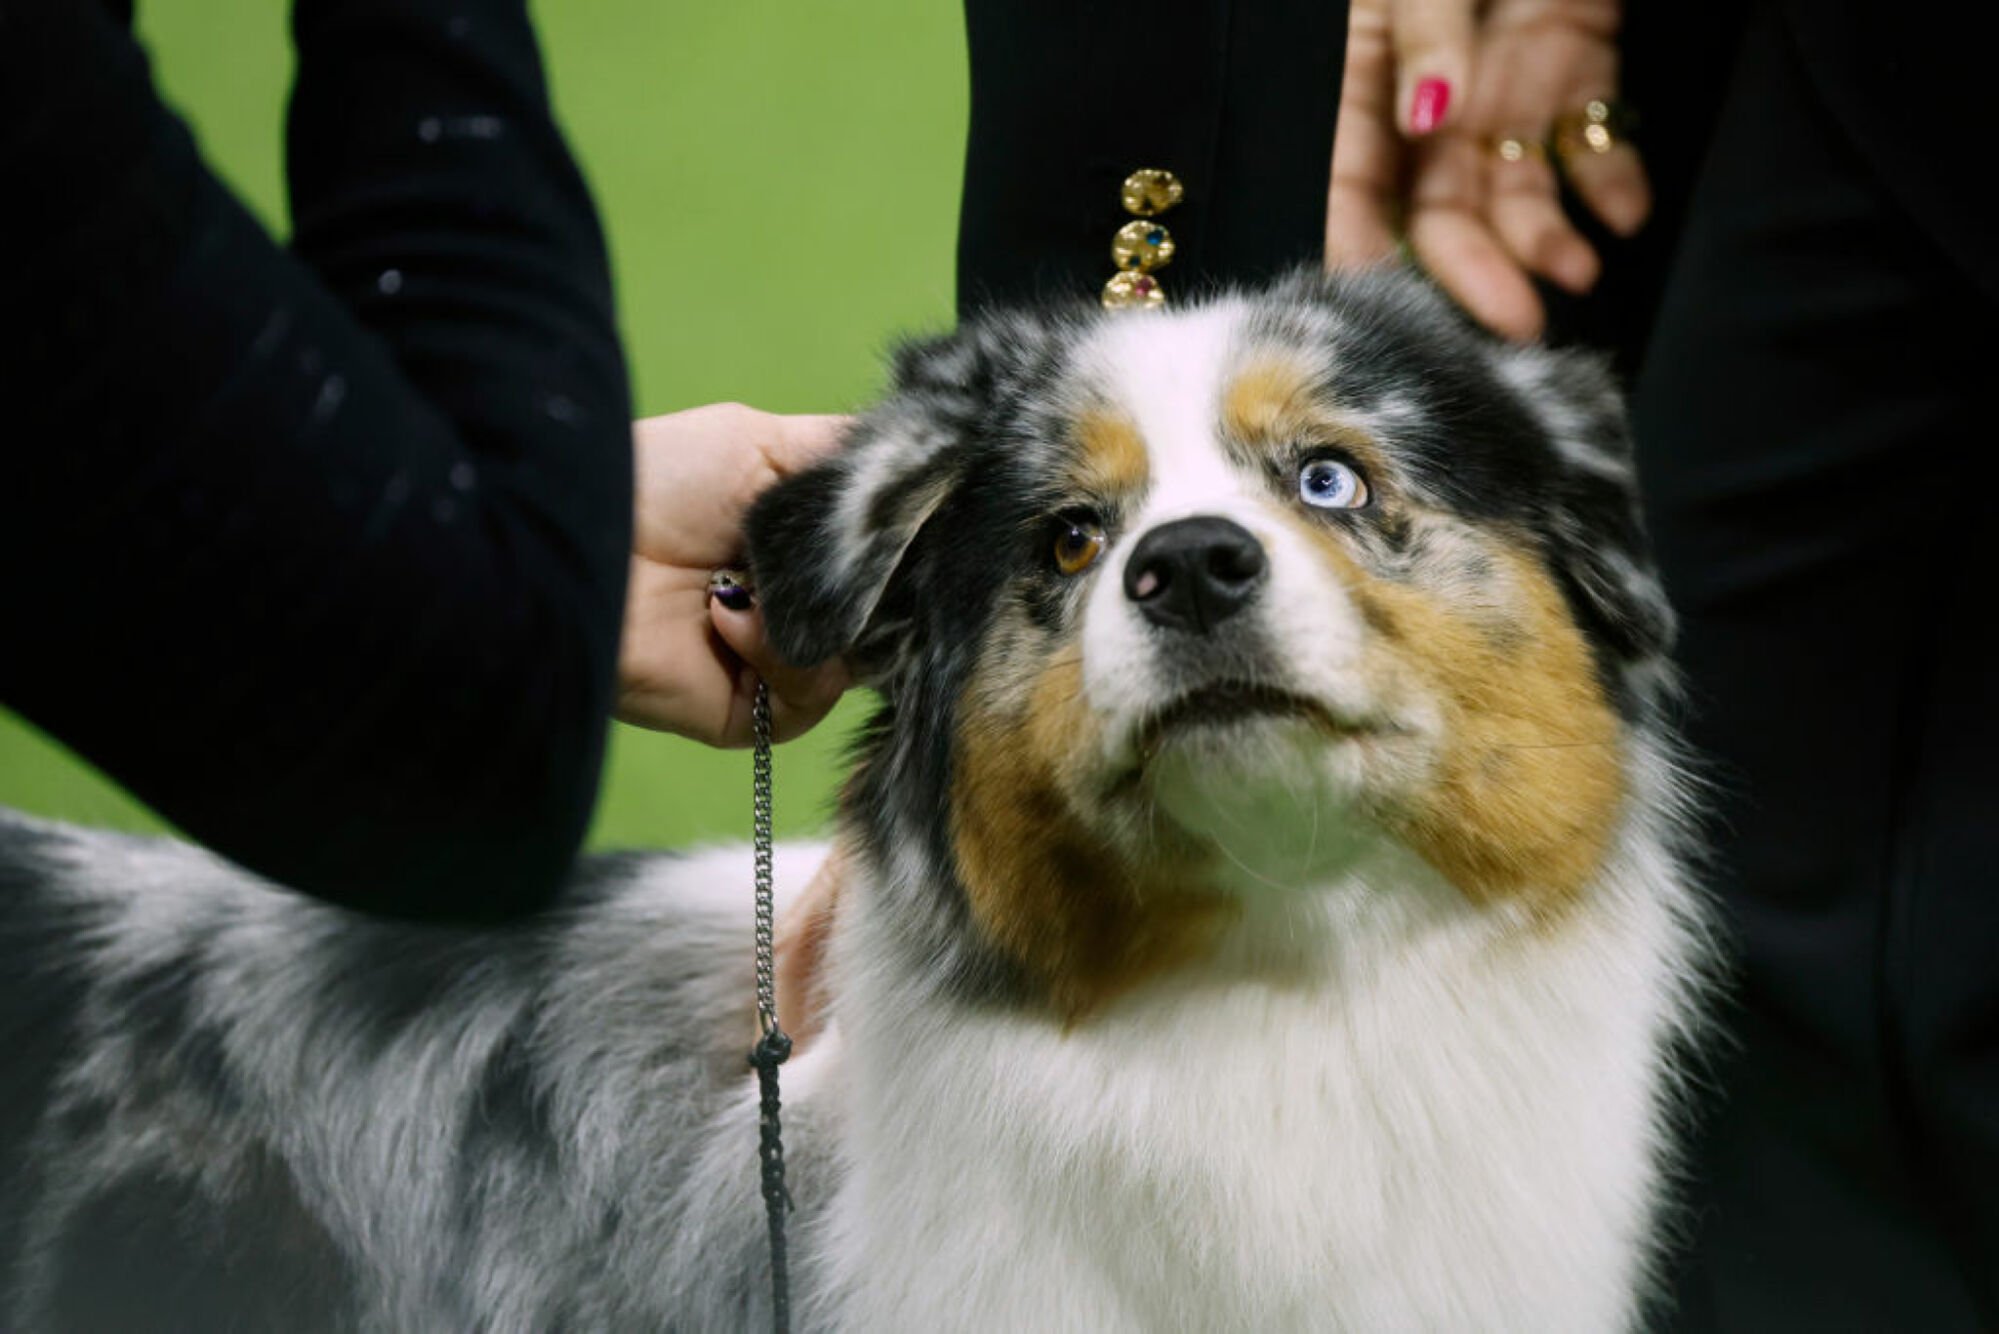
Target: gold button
{"x": 1130, "y": 289}
{"x": 1150, "y": 192}
{"x": 1142, "y": 246}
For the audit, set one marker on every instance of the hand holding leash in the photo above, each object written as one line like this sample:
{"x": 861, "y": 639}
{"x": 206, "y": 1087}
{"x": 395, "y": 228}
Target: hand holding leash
{"x": 689, "y": 660}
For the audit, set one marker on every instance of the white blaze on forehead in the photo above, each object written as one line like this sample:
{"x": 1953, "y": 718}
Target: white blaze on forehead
{"x": 1167, "y": 372}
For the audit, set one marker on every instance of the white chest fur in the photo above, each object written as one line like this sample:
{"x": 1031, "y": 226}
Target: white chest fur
{"x": 1380, "y": 1108}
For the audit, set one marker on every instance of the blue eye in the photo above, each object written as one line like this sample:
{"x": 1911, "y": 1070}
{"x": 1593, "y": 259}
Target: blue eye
{"x": 1329, "y": 484}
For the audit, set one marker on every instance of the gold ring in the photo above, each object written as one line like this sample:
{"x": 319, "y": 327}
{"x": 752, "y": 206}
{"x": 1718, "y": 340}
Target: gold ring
{"x": 1515, "y": 148}
{"x": 1598, "y": 127}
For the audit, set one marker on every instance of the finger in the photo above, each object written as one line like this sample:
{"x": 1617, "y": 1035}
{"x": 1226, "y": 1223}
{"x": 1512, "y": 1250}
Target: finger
{"x": 1527, "y": 217}
{"x": 1606, "y": 174}
{"x": 799, "y": 696}
{"x": 1358, "y": 232}
{"x": 1433, "y": 61}
{"x": 1361, "y": 202}
{"x": 674, "y": 673}
{"x": 1479, "y": 272}
{"x": 1454, "y": 243}
{"x": 801, "y": 441}
{"x": 1612, "y": 185}
{"x": 1524, "y": 203}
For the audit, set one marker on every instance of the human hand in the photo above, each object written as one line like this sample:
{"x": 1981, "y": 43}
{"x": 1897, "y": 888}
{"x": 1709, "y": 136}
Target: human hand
{"x": 688, "y": 664}
{"x": 1411, "y": 163}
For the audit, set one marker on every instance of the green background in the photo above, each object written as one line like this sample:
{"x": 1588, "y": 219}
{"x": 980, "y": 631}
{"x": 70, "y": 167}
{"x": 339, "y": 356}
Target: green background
{"x": 779, "y": 181}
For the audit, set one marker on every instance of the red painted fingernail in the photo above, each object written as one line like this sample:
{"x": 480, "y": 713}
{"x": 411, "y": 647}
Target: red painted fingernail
{"x": 1427, "y": 107}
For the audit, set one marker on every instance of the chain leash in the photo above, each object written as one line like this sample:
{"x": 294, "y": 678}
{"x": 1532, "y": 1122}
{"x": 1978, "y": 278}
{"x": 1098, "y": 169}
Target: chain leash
{"x": 773, "y": 1046}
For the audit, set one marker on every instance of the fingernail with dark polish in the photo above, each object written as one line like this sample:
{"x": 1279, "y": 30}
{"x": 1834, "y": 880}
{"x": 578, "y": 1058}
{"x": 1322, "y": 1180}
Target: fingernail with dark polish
{"x": 1428, "y": 106}
{"x": 730, "y": 588}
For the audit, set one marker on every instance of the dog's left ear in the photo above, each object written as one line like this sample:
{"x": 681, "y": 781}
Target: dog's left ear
{"x": 827, "y": 544}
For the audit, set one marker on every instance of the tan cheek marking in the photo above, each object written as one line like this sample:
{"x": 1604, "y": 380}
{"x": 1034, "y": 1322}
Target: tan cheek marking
{"x": 1531, "y": 781}
{"x": 1079, "y": 916}
{"x": 1111, "y": 459}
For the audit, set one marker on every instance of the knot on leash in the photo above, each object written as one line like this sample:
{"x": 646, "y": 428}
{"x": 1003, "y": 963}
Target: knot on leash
{"x": 772, "y": 1049}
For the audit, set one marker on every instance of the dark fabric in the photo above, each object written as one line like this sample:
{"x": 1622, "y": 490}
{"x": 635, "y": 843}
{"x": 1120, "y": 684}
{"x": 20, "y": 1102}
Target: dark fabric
{"x": 321, "y": 551}
{"x": 1820, "y": 476}
{"x": 1070, "y": 96}
{"x": 1905, "y": 86}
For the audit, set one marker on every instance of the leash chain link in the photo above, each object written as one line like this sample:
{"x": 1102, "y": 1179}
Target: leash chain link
{"x": 761, "y": 834}
{"x": 773, "y": 1047}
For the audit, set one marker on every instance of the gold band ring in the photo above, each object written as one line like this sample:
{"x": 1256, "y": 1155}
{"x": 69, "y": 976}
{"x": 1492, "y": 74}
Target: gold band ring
{"x": 1599, "y": 126}
{"x": 1520, "y": 148}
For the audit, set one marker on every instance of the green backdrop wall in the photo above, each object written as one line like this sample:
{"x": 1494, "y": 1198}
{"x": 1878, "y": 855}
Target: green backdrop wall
{"x": 779, "y": 181}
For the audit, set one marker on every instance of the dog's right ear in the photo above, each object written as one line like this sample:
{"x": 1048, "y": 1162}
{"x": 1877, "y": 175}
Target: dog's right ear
{"x": 826, "y": 545}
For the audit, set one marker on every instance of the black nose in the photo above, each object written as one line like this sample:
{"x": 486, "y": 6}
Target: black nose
{"x": 1193, "y": 574}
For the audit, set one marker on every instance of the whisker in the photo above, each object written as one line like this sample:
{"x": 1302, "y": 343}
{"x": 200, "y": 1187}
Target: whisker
{"x": 1555, "y": 745}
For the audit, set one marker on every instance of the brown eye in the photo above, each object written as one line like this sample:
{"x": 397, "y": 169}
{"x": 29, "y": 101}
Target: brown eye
{"x": 1078, "y": 543}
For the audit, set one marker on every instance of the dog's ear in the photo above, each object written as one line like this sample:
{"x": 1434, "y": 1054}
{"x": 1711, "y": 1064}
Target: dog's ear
{"x": 827, "y": 544}
{"x": 1594, "y": 529}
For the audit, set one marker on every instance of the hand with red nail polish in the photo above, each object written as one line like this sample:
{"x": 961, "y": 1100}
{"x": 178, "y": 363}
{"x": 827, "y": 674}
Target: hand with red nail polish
{"x": 1431, "y": 87}
{"x": 1429, "y": 104}
{"x": 692, "y": 652}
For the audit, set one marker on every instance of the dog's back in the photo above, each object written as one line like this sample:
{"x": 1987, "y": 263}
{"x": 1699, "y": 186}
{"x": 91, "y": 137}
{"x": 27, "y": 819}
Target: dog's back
{"x": 218, "y": 1096}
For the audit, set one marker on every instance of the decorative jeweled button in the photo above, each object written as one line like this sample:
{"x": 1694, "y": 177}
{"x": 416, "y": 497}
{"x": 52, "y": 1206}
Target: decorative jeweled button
{"x": 1149, "y": 192}
{"x": 1133, "y": 289}
{"x": 1142, "y": 246}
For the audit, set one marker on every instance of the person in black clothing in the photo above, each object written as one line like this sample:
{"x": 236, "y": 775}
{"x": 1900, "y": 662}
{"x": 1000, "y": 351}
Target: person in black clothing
{"x": 1818, "y": 461}
{"x": 322, "y": 550}
{"x": 1806, "y": 321}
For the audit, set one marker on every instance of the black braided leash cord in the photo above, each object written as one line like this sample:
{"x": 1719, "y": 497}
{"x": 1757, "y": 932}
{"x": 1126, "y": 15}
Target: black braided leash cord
{"x": 773, "y": 1047}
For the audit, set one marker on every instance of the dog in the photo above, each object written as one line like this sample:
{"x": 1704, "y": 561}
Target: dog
{"x": 1267, "y": 906}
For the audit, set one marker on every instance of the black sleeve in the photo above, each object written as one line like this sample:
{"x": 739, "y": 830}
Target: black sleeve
{"x": 1071, "y": 96}
{"x": 319, "y": 552}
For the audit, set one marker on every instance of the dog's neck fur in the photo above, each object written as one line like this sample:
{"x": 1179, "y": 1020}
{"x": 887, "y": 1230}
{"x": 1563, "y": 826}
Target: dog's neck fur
{"x": 1362, "y": 1087}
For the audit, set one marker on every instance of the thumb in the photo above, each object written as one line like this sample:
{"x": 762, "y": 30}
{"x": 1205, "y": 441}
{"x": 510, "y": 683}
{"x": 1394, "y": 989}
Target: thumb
{"x": 801, "y": 441}
{"x": 1433, "y": 60}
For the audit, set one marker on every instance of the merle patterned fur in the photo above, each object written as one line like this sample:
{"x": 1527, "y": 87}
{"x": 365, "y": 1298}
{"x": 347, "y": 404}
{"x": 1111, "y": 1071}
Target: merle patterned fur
{"x": 223, "y": 1106}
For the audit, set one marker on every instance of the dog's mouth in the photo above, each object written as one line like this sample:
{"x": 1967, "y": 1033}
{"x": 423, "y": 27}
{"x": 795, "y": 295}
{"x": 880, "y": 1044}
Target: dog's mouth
{"x": 1225, "y": 704}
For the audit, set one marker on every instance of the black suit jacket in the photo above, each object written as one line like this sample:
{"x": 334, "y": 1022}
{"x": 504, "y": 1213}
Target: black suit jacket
{"x": 1910, "y": 86}
{"x": 1235, "y": 97}
{"x": 1897, "y": 79}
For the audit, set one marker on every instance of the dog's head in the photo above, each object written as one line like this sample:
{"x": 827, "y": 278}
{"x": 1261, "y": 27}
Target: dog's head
{"x": 1175, "y": 609}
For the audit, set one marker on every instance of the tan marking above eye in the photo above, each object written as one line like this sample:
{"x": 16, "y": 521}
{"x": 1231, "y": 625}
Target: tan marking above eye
{"x": 1268, "y": 399}
{"x": 1272, "y": 406}
{"x": 1078, "y": 543}
{"x": 1110, "y": 458}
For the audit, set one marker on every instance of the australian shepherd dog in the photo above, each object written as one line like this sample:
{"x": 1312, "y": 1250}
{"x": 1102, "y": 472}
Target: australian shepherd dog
{"x": 1264, "y": 908}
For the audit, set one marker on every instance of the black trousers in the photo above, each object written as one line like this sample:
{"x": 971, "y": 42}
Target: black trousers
{"x": 1820, "y": 466}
